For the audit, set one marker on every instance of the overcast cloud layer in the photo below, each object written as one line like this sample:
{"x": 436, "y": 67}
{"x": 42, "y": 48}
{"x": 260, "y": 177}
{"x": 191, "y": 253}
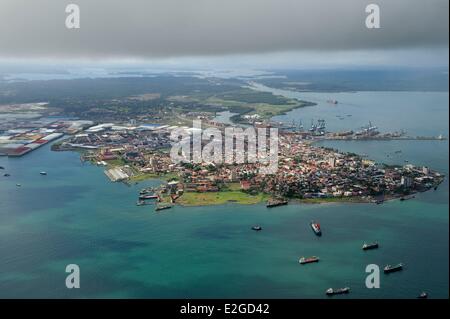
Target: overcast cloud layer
{"x": 175, "y": 28}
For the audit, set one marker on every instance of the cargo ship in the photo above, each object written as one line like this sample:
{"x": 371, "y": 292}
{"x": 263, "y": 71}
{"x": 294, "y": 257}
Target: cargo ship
{"x": 276, "y": 202}
{"x": 316, "y": 228}
{"x": 370, "y": 246}
{"x": 308, "y": 260}
{"x": 389, "y": 268}
{"x": 339, "y": 291}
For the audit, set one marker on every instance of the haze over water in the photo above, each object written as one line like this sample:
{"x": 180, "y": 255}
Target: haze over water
{"x": 75, "y": 215}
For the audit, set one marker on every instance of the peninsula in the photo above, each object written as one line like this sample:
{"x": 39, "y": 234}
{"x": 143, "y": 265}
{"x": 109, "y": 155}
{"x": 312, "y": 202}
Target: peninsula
{"x": 306, "y": 172}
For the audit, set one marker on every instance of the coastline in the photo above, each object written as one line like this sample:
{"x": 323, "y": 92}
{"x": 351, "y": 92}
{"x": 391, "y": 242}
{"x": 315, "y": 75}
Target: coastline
{"x": 237, "y": 118}
{"x": 233, "y": 194}
{"x": 205, "y": 199}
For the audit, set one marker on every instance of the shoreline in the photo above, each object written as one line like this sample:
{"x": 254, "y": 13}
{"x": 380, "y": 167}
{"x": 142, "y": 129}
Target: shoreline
{"x": 254, "y": 200}
{"x": 232, "y": 194}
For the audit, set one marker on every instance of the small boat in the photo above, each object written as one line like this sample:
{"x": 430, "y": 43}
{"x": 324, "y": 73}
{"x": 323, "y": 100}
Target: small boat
{"x": 146, "y": 191}
{"x": 6, "y": 175}
{"x": 308, "y": 260}
{"x": 43, "y": 173}
{"x": 423, "y": 295}
{"x": 162, "y": 207}
{"x": 339, "y": 291}
{"x": 276, "y": 202}
{"x": 370, "y": 246}
{"x": 257, "y": 228}
{"x": 316, "y": 228}
{"x": 389, "y": 268}
{"x": 140, "y": 203}
{"x": 18, "y": 185}
{"x": 144, "y": 197}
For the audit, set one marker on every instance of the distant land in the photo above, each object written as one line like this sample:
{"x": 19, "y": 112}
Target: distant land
{"x": 360, "y": 80}
{"x": 161, "y": 99}
{"x": 166, "y": 97}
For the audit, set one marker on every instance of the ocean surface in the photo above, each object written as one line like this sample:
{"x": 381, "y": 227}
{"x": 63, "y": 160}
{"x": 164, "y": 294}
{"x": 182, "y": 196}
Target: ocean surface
{"x": 74, "y": 215}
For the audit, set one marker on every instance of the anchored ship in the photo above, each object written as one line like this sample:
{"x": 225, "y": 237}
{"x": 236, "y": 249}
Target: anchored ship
{"x": 316, "y": 228}
{"x": 370, "y": 246}
{"x": 308, "y": 260}
{"x": 339, "y": 291}
{"x": 389, "y": 268}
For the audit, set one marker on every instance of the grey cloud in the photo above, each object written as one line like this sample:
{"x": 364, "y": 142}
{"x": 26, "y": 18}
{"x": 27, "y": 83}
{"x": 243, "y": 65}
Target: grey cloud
{"x": 173, "y": 28}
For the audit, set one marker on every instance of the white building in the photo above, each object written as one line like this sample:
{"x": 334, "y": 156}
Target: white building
{"x": 406, "y": 181}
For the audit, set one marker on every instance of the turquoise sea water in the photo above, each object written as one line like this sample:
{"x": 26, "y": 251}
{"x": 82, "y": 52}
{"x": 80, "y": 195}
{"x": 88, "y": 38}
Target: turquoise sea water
{"x": 75, "y": 215}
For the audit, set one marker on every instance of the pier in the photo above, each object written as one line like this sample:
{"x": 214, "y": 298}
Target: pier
{"x": 332, "y": 137}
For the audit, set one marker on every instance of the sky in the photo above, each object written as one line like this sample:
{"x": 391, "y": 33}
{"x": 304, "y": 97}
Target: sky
{"x": 240, "y": 33}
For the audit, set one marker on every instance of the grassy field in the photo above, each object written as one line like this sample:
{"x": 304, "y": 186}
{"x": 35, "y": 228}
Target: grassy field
{"x": 144, "y": 176}
{"x": 265, "y": 110}
{"x": 244, "y": 101}
{"x": 218, "y": 198}
{"x": 115, "y": 162}
{"x": 239, "y": 197}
